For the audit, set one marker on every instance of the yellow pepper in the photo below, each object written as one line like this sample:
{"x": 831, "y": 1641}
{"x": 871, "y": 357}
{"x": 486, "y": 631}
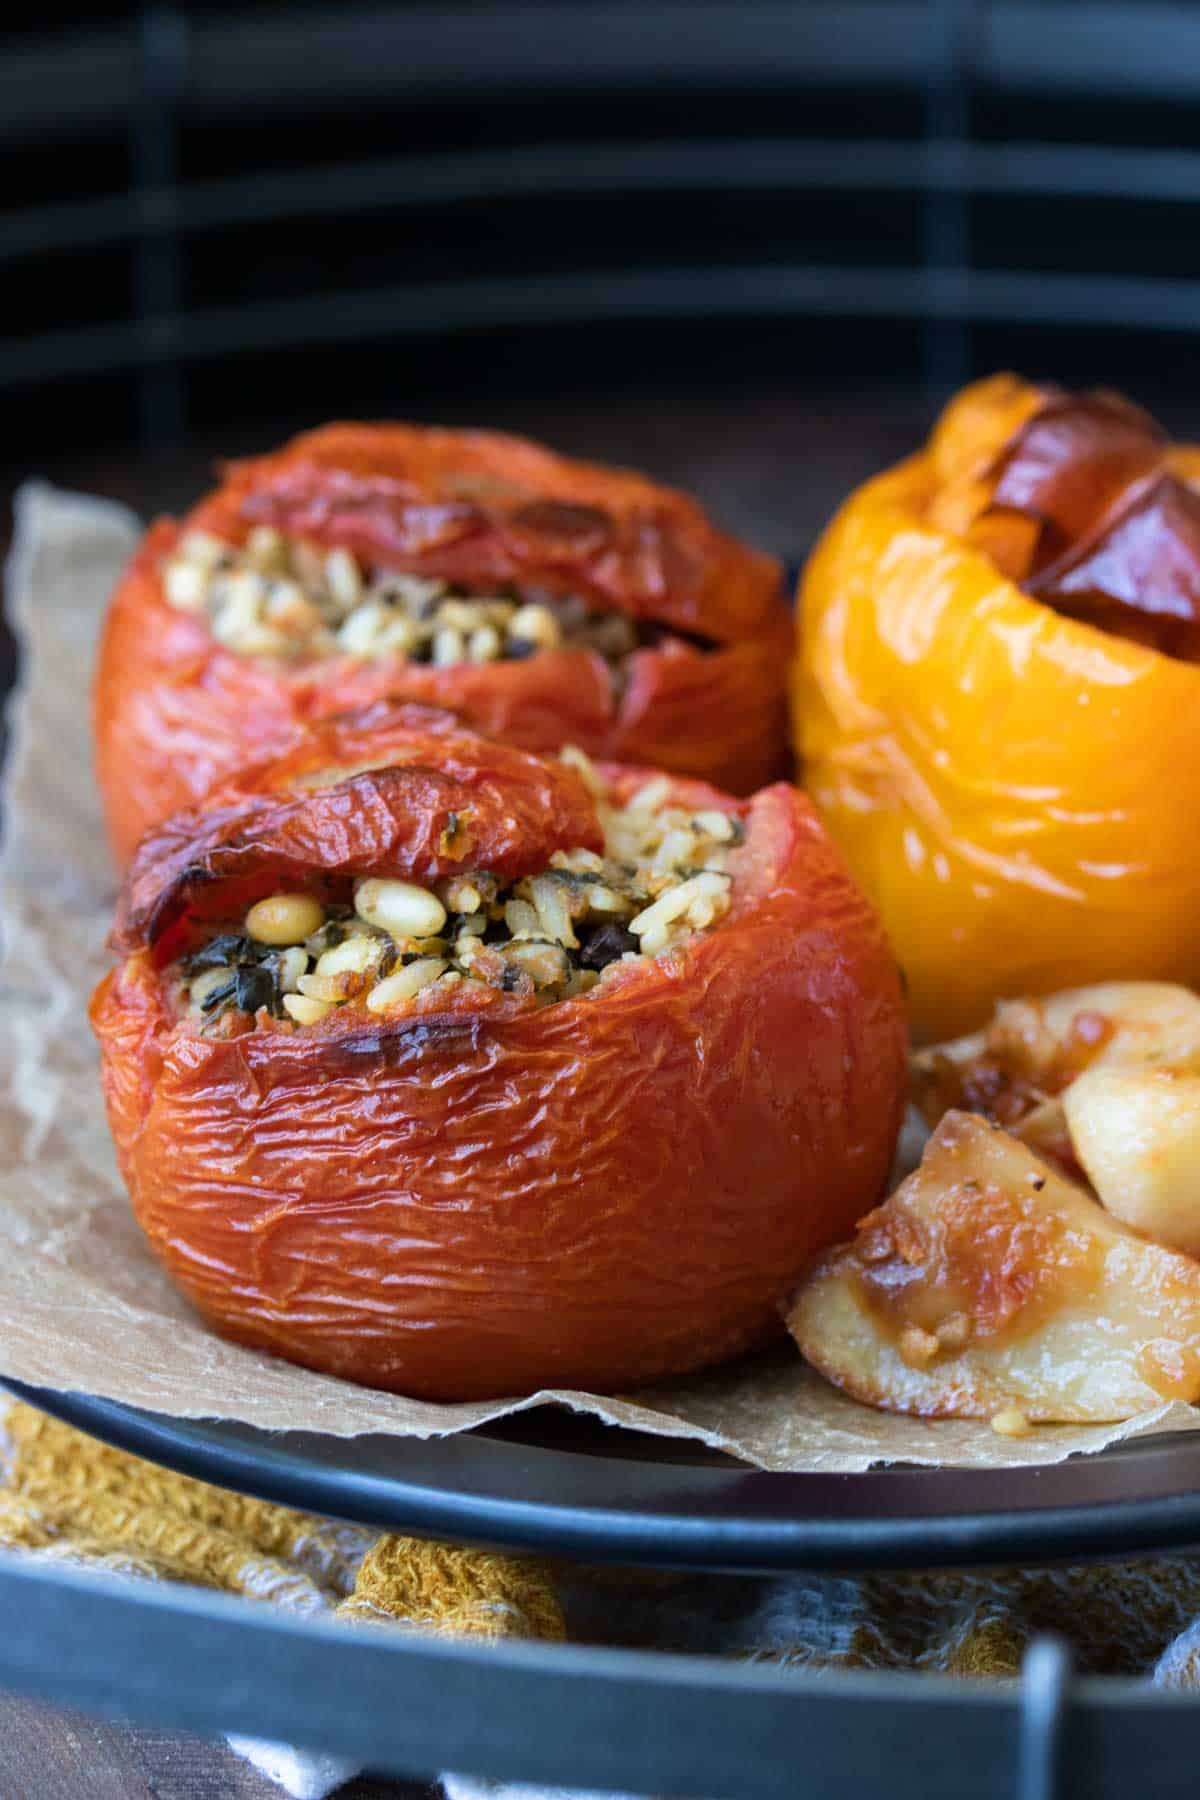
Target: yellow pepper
{"x": 1018, "y": 791}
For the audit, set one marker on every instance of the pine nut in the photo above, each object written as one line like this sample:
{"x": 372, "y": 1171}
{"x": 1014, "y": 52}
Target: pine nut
{"x": 718, "y": 825}
{"x": 241, "y": 601}
{"x": 357, "y": 634}
{"x": 288, "y": 608}
{"x": 550, "y": 901}
{"x": 400, "y": 908}
{"x": 483, "y": 646}
{"x": 202, "y": 548}
{"x": 461, "y": 895}
{"x": 284, "y": 919}
{"x": 448, "y": 647}
{"x": 330, "y": 989}
{"x": 304, "y": 1010}
{"x": 536, "y": 625}
{"x": 267, "y": 550}
{"x": 918, "y": 1348}
{"x": 186, "y": 585}
{"x": 397, "y": 638}
{"x": 353, "y": 957}
{"x": 457, "y": 615}
{"x": 308, "y": 563}
{"x": 676, "y": 848}
{"x": 601, "y": 899}
{"x": 404, "y": 984}
{"x": 262, "y": 640}
{"x": 290, "y": 966}
{"x": 342, "y": 578}
{"x": 521, "y": 919}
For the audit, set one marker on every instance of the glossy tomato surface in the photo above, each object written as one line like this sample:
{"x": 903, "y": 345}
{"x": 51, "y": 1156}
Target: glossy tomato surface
{"x": 477, "y": 1196}
{"x": 176, "y": 712}
{"x": 1015, "y": 788}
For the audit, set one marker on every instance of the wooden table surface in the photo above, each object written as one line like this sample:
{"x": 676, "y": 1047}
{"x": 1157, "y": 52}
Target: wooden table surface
{"x": 46, "y": 1754}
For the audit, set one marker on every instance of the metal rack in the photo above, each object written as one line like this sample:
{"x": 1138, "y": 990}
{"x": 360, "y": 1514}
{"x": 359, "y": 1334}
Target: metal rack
{"x": 605, "y": 1719}
{"x": 173, "y": 73}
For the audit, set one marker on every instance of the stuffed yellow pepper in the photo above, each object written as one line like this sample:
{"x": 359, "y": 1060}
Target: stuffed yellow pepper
{"x": 997, "y": 699}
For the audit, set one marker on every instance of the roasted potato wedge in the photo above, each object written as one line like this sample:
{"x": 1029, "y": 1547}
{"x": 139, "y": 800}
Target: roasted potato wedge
{"x": 1136, "y": 1135}
{"x": 989, "y": 1286}
{"x": 1032, "y": 1052}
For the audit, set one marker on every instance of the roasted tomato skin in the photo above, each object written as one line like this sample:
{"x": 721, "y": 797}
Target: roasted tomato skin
{"x": 375, "y": 792}
{"x": 1015, "y": 789}
{"x": 175, "y": 712}
{"x": 487, "y": 1198}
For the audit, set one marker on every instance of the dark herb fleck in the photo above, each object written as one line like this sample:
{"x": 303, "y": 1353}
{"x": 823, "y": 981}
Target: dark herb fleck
{"x": 255, "y": 987}
{"x": 576, "y": 882}
{"x": 605, "y": 945}
{"x": 221, "y": 953}
{"x": 219, "y": 996}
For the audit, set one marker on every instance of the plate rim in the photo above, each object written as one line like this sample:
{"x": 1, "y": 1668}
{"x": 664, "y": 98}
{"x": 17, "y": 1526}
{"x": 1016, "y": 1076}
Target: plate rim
{"x": 473, "y": 1488}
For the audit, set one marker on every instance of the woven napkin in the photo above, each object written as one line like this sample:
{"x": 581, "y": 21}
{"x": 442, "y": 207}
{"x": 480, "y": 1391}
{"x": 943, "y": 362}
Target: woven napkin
{"x": 66, "y": 1498}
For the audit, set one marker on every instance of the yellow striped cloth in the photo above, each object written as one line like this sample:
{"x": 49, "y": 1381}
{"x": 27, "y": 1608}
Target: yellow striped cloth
{"x": 65, "y": 1497}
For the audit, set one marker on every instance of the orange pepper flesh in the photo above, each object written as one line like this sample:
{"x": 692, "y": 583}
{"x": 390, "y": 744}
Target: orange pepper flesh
{"x": 1015, "y": 789}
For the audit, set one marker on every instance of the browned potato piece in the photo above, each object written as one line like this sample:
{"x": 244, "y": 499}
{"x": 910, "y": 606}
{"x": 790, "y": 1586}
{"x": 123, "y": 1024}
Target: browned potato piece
{"x": 1136, "y": 1135}
{"x": 990, "y": 1285}
{"x": 1017, "y": 1070}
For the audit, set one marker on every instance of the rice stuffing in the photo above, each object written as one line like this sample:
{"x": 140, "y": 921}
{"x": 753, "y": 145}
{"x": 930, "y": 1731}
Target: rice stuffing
{"x": 662, "y": 878}
{"x": 282, "y": 597}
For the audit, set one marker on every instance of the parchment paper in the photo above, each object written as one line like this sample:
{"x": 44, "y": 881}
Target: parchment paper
{"x": 83, "y": 1306}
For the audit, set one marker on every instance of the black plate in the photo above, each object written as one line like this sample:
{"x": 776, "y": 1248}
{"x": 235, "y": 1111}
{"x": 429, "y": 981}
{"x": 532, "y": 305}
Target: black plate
{"x": 549, "y": 1482}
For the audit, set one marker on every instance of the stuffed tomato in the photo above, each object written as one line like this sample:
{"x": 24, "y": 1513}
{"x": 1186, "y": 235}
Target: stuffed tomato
{"x": 998, "y": 699}
{"x": 460, "y": 1072}
{"x": 542, "y": 600}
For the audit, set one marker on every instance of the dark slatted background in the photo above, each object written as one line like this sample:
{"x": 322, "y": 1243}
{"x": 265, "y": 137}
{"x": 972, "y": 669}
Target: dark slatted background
{"x": 648, "y": 227}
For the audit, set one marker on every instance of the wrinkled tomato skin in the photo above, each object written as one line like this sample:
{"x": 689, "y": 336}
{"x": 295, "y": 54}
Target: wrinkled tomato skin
{"x": 491, "y": 1198}
{"x": 176, "y": 713}
{"x": 425, "y": 805}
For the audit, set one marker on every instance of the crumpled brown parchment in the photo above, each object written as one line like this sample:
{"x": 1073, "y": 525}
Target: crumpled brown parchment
{"x": 83, "y": 1306}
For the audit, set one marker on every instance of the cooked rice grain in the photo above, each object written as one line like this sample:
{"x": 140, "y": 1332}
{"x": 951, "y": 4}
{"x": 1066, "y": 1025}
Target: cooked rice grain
{"x": 281, "y": 597}
{"x": 552, "y": 936}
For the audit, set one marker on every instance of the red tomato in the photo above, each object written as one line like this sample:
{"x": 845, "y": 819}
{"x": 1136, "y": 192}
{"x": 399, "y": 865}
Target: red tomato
{"x": 480, "y": 1196}
{"x": 175, "y": 712}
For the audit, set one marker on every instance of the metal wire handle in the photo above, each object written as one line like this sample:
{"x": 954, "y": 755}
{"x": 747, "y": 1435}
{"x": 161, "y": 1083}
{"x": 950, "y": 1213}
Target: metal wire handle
{"x": 1045, "y": 1695}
